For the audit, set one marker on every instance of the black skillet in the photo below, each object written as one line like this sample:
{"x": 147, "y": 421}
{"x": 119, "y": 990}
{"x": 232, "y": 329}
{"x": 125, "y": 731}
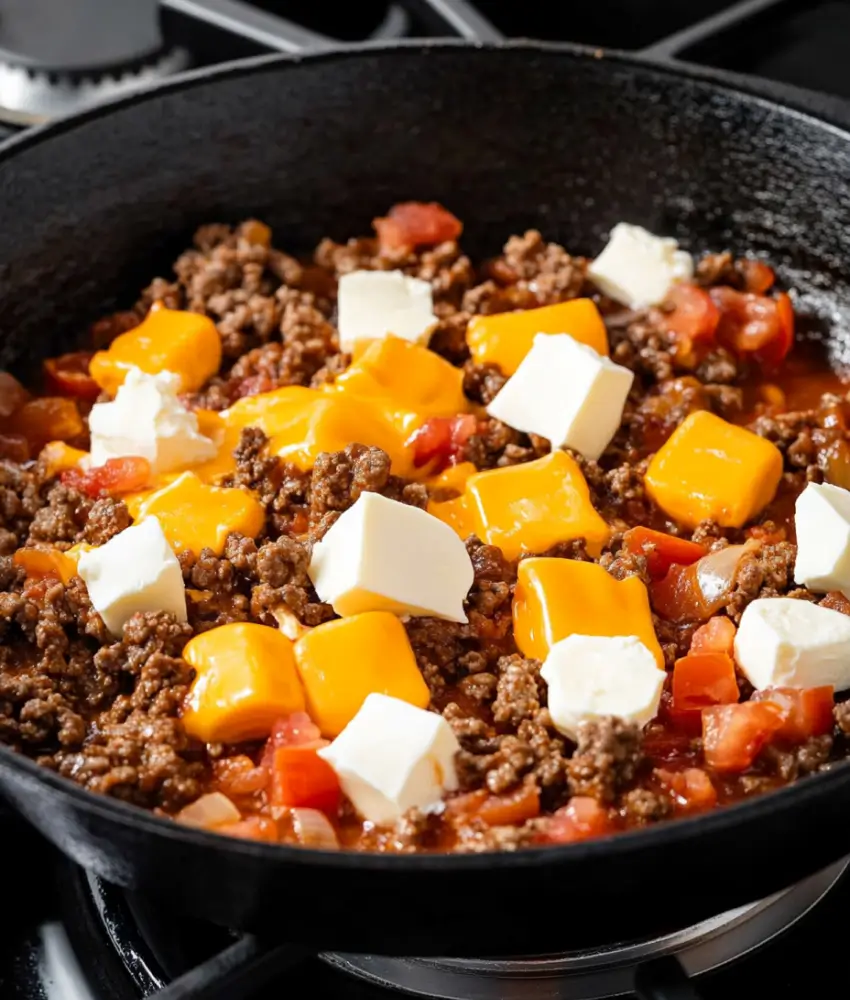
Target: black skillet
{"x": 509, "y": 137}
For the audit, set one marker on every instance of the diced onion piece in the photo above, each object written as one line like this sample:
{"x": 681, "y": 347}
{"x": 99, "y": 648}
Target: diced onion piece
{"x": 313, "y": 829}
{"x": 210, "y": 811}
{"x": 716, "y": 574}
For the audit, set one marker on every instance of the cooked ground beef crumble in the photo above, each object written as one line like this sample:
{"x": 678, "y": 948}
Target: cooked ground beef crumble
{"x": 106, "y": 713}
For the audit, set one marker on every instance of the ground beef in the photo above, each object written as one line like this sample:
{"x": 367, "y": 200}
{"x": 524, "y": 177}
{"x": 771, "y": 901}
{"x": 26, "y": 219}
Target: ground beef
{"x": 106, "y": 518}
{"x": 448, "y": 338}
{"x": 63, "y": 520}
{"x": 495, "y": 445}
{"x": 766, "y": 572}
{"x": 544, "y": 269}
{"x": 643, "y": 805}
{"x": 797, "y": 762}
{"x": 284, "y": 586}
{"x": 842, "y": 717}
{"x": 517, "y": 690}
{"x": 606, "y": 759}
{"x": 482, "y": 383}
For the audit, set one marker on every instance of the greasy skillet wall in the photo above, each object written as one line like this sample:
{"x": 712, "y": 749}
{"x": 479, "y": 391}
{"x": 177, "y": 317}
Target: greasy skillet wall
{"x": 507, "y": 140}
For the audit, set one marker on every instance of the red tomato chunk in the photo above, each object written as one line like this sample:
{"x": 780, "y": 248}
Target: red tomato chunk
{"x": 733, "y": 735}
{"x": 582, "y": 818}
{"x": 441, "y": 440}
{"x": 416, "y": 224}
{"x": 114, "y": 477}
{"x": 807, "y": 713}
{"x": 660, "y": 550}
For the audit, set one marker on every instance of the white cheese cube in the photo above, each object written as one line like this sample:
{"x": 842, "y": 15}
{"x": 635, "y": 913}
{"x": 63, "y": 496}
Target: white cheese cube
{"x": 591, "y": 676}
{"x": 382, "y": 555}
{"x": 822, "y": 521}
{"x": 638, "y": 268}
{"x": 393, "y": 756}
{"x": 135, "y": 571}
{"x": 566, "y": 392}
{"x": 372, "y": 304}
{"x": 784, "y": 642}
{"x": 147, "y": 419}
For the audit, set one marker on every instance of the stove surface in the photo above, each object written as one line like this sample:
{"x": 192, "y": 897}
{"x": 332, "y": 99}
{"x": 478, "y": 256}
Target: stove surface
{"x": 72, "y": 938}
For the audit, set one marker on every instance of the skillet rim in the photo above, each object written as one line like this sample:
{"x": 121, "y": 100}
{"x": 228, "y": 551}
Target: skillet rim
{"x": 786, "y": 101}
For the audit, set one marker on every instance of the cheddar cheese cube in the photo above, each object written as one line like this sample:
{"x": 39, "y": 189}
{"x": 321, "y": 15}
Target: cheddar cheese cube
{"x": 56, "y": 457}
{"x": 456, "y": 514}
{"x": 40, "y": 563}
{"x": 186, "y": 343}
{"x": 504, "y": 339}
{"x": 342, "y": 662}
{"x": 245, "y": 680}
{"x": 709, "y": 469}
{"x": 195, "y": 516}
{"x": 531, "y": 507}
{"x": 556, "y": 598}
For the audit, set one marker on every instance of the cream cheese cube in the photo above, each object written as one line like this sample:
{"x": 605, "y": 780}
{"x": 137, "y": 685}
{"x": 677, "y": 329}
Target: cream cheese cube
{"x": 134, "y": 571}
{"x": 382, "y": 555}
{"x": 566, "y": 392}
{"x": 393, "y": 756}
{"x": 373, "y": 304}
{"x": 147, "y": 419}
{"x": 591, "y": 676}
{"x": 784, "y": 642}
{"x": 822, "y": 522}
{"x": 638, "y": 268}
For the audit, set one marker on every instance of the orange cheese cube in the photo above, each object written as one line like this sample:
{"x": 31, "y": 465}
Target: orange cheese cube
{"x": 456, "y": 514}
{"x": 454, "y": 477}
{"x": 531, "y": 507}
{"x": 343, "y": 661}
{"x": 409, "y": 381}
{"x": 504, "y": 339}
{"x": 711, "y": 469}
{"x": 39, "y": 563}
{"x": 246, "y": 679}
{"x": 172, "y": 340}
{"x": 556, "y": 598}
{"x": 57, "y": 456}
{"x": 195, "y": 516}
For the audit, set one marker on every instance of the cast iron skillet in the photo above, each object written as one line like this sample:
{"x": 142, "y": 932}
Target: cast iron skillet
{"x": 509, "y": 138}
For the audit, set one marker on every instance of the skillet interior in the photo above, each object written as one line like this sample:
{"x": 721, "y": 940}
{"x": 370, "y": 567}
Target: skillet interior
{"x": 525, "y": 136}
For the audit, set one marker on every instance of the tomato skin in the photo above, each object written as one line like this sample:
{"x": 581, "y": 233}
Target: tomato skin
{"x": 691, "y": 788}
{"x": 661, "y": 550}
{"x": 441, "y": 440}
{"x": 582, "y": 818}
{"x": 415, "y": 224}
{"x": 68, "y": 375}
{"x": 704, "y": 679}
{"x": 300, "y": 777}
{"x": 694, "y": 317}
{"x": 807, "y": 712}
{"x": 114, "y": 477}
{"x": 733, "y": 735}
{"x": 717, "y": 635}
{"x": 497, "y": 810}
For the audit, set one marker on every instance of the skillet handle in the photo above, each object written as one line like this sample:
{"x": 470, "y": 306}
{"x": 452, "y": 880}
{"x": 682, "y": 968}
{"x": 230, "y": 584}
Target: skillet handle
{"x": 459, "y": 16}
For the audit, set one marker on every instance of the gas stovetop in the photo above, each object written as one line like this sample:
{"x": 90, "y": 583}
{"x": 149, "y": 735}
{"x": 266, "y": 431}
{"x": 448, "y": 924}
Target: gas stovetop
{"x": 71, "y": 937}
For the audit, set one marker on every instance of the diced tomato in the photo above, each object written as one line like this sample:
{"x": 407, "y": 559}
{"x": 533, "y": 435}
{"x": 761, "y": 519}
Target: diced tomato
{"x": 692, "y": 788}
{"x": 694, "y": 317}
{"x": 68, "y": 375}
{"x": 716, "y": 636}
{"x": 704, "y": 679}
{"x": 508, "y": 810}
{"x": 758, "y": 277}
{"x": 252, "y": 828}
{"x": 661, "y": 550}
{"x": 12, "y": 395}
{"x": 582, "y": 818}
{"x": 297, "y": 729}
{"x": 733, "y": 735}
{"x": 115, "y": 477}
{"x": 235, "y": 776}
{"x": 416, "y": 224}
{"x": 48, "y": 418}
{"x": 755, "y": 324}
{"x": 14, "y": 447}
{"x": 441, "y": 440}
{"x": 678, "y": 596}
{"x": 300, "y": 777}
{"x": 806, "y": 712}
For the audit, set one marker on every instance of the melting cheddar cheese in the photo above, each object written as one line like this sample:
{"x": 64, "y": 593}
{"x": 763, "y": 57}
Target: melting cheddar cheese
{"x": 504, "y": 339}
{"x": 172, "y": 340}
{"x": 245, "y": 680}
{"x": 527, "y": 508}
{"x": 556, "y": 598}
{"x": 709, "y": 469}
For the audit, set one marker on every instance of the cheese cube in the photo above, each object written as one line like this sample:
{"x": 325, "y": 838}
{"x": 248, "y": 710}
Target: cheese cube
{"x": 785, "y": 642}
{"x": 342, "y": 662}
{"x": 147, "y": 419}
{"x": 135, "y": 571}
{"x": 709, "y": 469}
{"x": 382, "y": 555}
{"x": 566, "y": 392}
{"x": 533, "y": 506}
{"x": 392, "y": 757}
{"x": 372, "y": 304}
{"x": 593, "y": 676}
{"x": 822, "y": 522}
{"x": 638, "y": 268}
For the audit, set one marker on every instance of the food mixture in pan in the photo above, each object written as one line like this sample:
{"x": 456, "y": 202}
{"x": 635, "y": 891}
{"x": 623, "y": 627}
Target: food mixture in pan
{"x": 392, "y": 550}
